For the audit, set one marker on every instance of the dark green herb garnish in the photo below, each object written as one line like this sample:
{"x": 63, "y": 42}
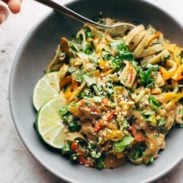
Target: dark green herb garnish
{"x": 138, "y": 151}
{"x": 100, "y": 163}
{"x": 154, "y": 103}
{"x": 88, "y": 50}
{"x": 88, "y": 32}
{"x": 146, "y": 78}
{"x": 74, "y": 126}
{"x": 122, "y": 55}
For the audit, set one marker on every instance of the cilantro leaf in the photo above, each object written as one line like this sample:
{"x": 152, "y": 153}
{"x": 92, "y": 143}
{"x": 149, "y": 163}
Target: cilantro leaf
{"x": 146, "y": 78}
{"x": 123, "y": 53}
{"x": 154, "y": 103}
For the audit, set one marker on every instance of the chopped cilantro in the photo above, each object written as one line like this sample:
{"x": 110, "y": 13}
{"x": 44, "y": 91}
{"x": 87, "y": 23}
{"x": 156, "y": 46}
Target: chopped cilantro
{"x": 150, "y": 117}
{"x": 154, "y": 103}
{"x": 137, "y": 151}
{"x": 117, "y": 63}
{"x": 88, "y": 32}
{"x": 123, "y": 54}
{"x": 107, "y": 56}
{"x": 88, "y": 50}
{"x": 74, "y": 126}
{"x": 122, "y": 47}
{"x": 66, "y": 150}
{"x": 146, "y": 78}
{"x": 100, "y": 163}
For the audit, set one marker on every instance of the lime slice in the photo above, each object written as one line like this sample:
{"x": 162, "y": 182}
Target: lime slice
{"x": 50, "y": 125}
{"x": 46, "y": 89}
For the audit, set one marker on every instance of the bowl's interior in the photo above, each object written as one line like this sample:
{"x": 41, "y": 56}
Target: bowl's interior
{"x": 33, "y": 57}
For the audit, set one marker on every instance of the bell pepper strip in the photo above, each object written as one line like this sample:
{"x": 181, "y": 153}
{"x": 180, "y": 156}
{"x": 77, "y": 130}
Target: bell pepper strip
{"x": 99, "y": 126}
{"x": 114, "y": 135}
{"x": 175, "y": 52}
{"x": 139, "y": 137}
{"x": 65, "y": 81}
{"x": 111, "y": 116}
{"x": 178, "y": 74}
{"x": 68, "y": 93}
{"x": 77, "y": 91}
{"x": 169, "y": 99}
{"x": 103, "y": 64}
{"x": 174, "y": 100}
{"x": 74, "y": 146}
{"x": 166, "y": 97}
{"x": 167, "y": 74}
{"x": 71, "y": 94}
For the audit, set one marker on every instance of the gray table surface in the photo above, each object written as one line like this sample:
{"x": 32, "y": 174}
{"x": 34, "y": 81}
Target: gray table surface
{"x": 16, "y": 164}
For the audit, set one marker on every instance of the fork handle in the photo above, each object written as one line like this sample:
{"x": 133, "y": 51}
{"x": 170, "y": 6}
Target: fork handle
{"x": 62, "y": 9}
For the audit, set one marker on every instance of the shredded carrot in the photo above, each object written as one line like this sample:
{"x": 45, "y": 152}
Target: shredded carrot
{"x": 130, "y": 75}
{"x": 111, "y": 116}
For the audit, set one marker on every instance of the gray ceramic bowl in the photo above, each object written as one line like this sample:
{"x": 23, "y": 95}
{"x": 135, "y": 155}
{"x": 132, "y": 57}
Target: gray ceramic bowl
{"x": 34, "y": 55}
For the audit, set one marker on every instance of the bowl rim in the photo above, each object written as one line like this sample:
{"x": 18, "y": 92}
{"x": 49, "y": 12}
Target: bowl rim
{"x": 13, "y": 71}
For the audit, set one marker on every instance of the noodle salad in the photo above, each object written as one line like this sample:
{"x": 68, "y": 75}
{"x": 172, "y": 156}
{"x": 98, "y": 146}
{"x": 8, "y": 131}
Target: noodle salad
{"x": 120, "y": 96}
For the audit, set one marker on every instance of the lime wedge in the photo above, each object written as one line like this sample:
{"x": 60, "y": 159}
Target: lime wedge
{"x": 46, "y": 89}
{"x": 50, "y": 125}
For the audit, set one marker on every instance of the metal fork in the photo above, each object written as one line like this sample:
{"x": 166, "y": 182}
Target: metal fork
{"x": 115, "y": 29}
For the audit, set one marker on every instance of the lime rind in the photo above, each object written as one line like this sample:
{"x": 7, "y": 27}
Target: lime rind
{"x": 46, "y": 89}
{"x": 49, "y": 124}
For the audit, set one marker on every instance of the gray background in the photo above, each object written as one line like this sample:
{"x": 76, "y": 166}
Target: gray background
{"x": 16, "y": 163}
